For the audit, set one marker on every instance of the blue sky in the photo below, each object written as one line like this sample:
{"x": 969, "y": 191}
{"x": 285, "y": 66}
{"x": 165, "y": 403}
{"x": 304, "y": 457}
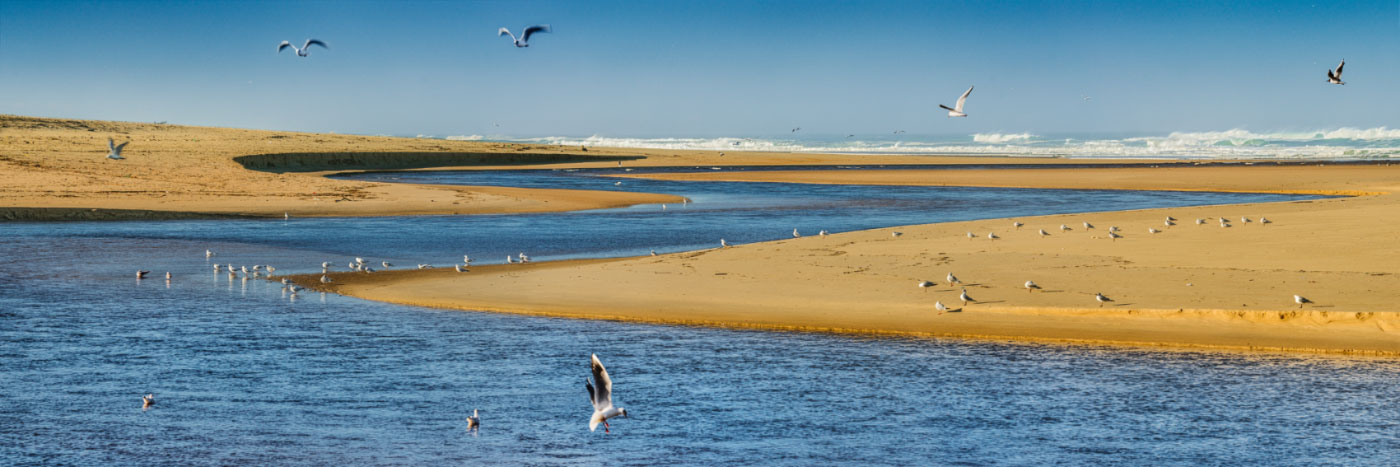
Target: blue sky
{"x": 707, "y": 68}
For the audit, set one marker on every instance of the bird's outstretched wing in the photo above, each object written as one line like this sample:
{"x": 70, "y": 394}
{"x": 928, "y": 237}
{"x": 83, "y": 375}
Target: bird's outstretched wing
{"x": 283, "y": 45}
{"x": 602, "y": 394}
{"x": 592, "y": 396}
{"x": 963, "y": 99}
{"x": 505, "y": 32}
{"x": 311, "y": 42}
{"x": 525, "y": 35}
{"x": 112, "y": 145}
{"x": 946, "y": 107}
{"x": 119, "y": 147}
{"x": 1339, "y": 68}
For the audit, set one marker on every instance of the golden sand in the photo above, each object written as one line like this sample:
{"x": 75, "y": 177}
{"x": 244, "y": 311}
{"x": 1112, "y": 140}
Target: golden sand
{"x": 1188, "y": 286}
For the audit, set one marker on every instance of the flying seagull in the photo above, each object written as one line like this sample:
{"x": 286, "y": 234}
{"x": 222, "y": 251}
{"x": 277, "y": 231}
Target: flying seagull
{"x": 303, "y": 50}
{"x": 524, "y": 39}
{"x": 957, "y": 110}
{"x": 1335, "y": 76}
{"x": 114, "y": 150}
{"x": 601, "y": 397}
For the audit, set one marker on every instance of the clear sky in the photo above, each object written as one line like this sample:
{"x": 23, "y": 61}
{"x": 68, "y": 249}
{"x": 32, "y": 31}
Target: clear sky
{"x": 707, "y": 68}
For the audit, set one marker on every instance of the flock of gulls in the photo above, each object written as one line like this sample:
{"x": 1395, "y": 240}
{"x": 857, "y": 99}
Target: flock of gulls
{"x": 1113, "y": 232}
{"x": 598, "y": 384}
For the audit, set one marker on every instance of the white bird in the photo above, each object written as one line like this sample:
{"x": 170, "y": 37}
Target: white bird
{"x": 114, "y": 150}
{"x": 1113, "y": 235}
{"x": 795, "y": 234}
{"x": 601, "y": 397}
{"x": 425, "y": 266}
{"x": 1200, "y": 221}
{"x": 141, "y": 274}
{"x": 1170, "y": 218}
{"x": 208, "y": 254}
{"x": 992, "y": 236}
{"x": 1017, "y": 224}
{"x": 896, "y": 234}
{"x": 822, "y": 233}
{"x": 167, "y": 275}
{"x": 1168, "y": 223}
{"x": 386, "y": 264}
{"x": 301, "y": 52}
{"x": 1088, "y": 226}
{"x": 1301, "y": 300}
{"x": 510, "y": 259}
{"x": 1030, "y": 286}
{"x": 359, "y": 260}
{"x": 1043, "y": 233}
{"x": 458, "y": 267}
{"x": 1152, "y": 230}
{"x": 925, "y": 284}
{"x": 723, "y": 243}
{"x": 523, "y": 258}
{"x": 1064, "y": 228}
{"x": 971, "y": 236}
{"x": 938, "y": 305}
{"x": 1112, "y": 228}
{"x": 1102, "y": 299}
{"x": 1265, "y": 220}
{"x": 244, "y": 268}
{"x": 325, "y": 265}
{"x": 474, "y": 421}
{"x": 1335, "y": 77}
{"x": 217, "y": 268}
{"x": 147, "y": 401}
{"x": 957, "y": 110}
{"x": 965, "y": 297}
{"x": 952, "y": 279}
{"x": 617, "y": 184}
{"x": 1245, "y": 219}
{"x": 653, "y": 252}
{"x": 524, "y": 39}
{"x": 467, "y": 259}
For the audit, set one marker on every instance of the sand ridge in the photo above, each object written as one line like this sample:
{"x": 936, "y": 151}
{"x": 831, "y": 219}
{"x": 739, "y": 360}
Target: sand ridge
{"x": 1198, "y": 286}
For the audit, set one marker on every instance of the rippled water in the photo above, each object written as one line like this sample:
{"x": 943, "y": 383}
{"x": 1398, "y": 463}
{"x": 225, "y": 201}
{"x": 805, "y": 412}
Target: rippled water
{"x": 245, "y": 375}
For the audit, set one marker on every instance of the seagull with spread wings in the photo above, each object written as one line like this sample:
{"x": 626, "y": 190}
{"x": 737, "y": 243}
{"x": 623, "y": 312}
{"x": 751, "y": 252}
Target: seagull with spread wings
{"x": 601, "y": 397}
{"x": 524, "y": 39}
{"x": 957, "y": 109}
{"x": 301, "y": 52}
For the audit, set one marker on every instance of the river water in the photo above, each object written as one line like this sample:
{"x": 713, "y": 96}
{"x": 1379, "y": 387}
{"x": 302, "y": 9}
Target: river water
{"x": 245, "y": 374}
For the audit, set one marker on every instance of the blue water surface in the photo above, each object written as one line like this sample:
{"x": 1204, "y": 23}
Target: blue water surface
{"x": 246, "y": 374}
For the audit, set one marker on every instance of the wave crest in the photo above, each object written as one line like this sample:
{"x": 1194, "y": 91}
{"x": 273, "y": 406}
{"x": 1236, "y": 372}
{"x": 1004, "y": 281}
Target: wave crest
{"x": 998, "y": 138}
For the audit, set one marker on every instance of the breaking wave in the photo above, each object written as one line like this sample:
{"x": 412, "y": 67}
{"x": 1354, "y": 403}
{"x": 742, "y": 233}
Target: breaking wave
{"x": 1334, "y": 144}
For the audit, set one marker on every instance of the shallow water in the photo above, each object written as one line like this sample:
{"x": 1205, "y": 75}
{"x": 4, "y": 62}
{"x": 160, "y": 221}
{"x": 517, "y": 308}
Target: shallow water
{"x": 244, "y": 374}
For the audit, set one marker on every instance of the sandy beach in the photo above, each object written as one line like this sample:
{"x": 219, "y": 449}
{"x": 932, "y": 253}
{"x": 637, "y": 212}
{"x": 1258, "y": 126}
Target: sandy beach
{"x": 55, "y": 169}
{"x": 1193, "y": 286}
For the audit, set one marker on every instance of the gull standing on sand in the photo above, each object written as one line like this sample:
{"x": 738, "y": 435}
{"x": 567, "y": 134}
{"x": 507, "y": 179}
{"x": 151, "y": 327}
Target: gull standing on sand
{"x": 1245, "y": 219}
{"x": 938, "y": 305}
{"x": 1043, "y": 233}
{"x": 601, "y": 397}
{"x": 723, "y": 243}
{"x": 1102, "y": 299}
{"x": 301, "y": 52}
{"x": 1152, "y": 230}
{"x": 1265, "y": 220}
{"x": 386, "y": 264}
{"x": 458, "y": 267}
{"x": 795, "y": 234}
{"x": 992, "y": 236}
{"x": 1301, "y": 300}
{"x": 957, "y": 109}
{"x": 1335, "y": 76}
{"x": 965, "y": 297}
{"x": 114, "y": 150}
{"x": 896, "y": 234}
{"x": 971, "y": 236}
{"x": 1088, "y": 226}
{"x": 1113, "y": 235}
{"x": 1030, "y": 286}
{"x": 952, "y": 279}
{"x": 925, "y": 285}
{"x": 1017, "y": 224}
{"x": 524, "y": 39}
